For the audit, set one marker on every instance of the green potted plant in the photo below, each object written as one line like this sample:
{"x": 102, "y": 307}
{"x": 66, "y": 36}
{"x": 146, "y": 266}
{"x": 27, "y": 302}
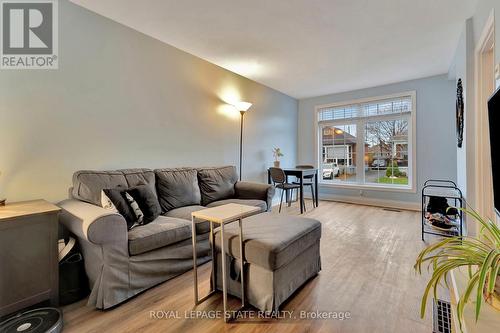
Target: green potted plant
{"x": 277, "y": 154}
{"x": 479, "y": 255}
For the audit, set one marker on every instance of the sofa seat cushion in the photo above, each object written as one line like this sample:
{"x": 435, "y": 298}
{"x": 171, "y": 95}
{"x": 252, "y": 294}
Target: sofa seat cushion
{"x": 161, "y": 232}
{"x": 249, "y": 202}
{"x": 185, "y": 213}
{"x": 271, "y": 240}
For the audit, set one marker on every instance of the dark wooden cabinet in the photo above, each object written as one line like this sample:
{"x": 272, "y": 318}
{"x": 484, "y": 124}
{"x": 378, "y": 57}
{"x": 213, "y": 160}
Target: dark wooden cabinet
{"x": 28, "y": 255}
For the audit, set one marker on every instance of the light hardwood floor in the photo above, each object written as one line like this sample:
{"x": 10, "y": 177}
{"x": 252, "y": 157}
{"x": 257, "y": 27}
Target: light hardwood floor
{"x": 367, "y": 258}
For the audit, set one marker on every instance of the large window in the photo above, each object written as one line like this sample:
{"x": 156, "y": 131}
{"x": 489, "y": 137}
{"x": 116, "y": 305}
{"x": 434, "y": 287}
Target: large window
{"x": 368, "y": 142}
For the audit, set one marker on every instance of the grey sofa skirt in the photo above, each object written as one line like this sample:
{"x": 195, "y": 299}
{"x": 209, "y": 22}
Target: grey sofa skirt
{"x": 114, "y": 276}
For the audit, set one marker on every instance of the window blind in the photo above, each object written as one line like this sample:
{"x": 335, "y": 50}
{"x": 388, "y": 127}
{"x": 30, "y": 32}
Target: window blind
{"x": 373, "y": 108}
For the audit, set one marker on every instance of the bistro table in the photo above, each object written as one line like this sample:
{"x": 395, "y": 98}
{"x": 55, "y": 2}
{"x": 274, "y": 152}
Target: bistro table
{"x": 300, "y": 173}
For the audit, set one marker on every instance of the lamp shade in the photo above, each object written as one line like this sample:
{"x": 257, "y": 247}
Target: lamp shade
{"x": 242, "y": 106}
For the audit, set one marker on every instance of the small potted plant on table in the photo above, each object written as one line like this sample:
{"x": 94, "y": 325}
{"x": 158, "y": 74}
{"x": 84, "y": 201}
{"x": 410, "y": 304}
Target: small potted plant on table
{"x": 277, "y": 154}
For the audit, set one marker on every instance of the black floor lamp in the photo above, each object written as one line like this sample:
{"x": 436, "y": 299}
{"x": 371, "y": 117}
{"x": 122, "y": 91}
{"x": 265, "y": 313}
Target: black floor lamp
{"x": 242, "y": 107}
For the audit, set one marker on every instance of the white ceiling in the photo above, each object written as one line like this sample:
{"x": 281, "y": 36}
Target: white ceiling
{"x": 305, "y": 48}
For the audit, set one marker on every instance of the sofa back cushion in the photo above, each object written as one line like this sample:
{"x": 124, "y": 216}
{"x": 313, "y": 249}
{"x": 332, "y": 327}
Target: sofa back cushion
{"x": 177, "y": 188}
{"x": 136, "y": 177}
{"x": 88, "y": 184}
{"x": 217, "y": 183}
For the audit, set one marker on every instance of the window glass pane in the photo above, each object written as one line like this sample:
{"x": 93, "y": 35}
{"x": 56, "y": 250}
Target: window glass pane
{"x": 374, "y": 108}
{"x": 390, "y": 106}
{"x": 336, "y": 113}
{"x": 386, "y": 152}
{"x": 338, "y": 147}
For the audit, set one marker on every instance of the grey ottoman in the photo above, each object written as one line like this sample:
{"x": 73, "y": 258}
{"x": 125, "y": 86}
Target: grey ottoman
{"x": 281, "y": 252}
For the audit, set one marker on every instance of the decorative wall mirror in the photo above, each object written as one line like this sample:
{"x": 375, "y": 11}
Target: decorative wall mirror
{"x": 460, "y": 113}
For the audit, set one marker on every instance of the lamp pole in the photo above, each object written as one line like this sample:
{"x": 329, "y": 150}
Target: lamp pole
{"x": 242, "y": 107}
{"x": 242, "y": 113}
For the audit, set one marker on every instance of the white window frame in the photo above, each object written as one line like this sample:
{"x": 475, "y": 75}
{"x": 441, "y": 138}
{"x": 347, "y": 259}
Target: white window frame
{"x": 360, "y": 134}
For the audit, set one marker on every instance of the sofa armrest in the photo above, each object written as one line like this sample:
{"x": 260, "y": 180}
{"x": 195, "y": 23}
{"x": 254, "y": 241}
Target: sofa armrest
{"x": 93, "y": 223}
{"x": 249, "y": 190}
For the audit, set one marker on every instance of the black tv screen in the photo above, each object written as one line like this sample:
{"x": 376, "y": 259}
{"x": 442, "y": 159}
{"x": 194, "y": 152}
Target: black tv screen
{"x": 494, "y": 120}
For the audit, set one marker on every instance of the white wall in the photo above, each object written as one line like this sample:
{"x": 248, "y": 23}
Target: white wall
{"x": 436, "y": 141}
{"x": 481, "y": 15}
{"x": 121, "y": 99}
{"x": 463, "y": 66}
{"x": 464, "y": 63}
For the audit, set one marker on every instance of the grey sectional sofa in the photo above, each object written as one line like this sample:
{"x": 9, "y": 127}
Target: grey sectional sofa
{"x": 121, "y": 263}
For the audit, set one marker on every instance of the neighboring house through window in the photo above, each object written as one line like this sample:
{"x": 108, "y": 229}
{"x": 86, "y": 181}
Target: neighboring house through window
{"x": 368, "y": 142}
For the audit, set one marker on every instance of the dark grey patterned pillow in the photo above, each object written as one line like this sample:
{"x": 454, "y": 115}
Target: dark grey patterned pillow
{"x": 139, "y": 215}
{"x": 124, "y": 206}
{"x": 147, "y": 201}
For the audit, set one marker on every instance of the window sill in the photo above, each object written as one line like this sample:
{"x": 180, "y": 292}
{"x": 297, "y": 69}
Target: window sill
{"x": 396, "y": 188}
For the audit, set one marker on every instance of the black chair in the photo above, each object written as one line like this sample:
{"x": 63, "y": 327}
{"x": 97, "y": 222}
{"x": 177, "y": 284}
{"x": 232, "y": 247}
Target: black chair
{"x": 308, "y": 181}
{"x": 279, "y": 180}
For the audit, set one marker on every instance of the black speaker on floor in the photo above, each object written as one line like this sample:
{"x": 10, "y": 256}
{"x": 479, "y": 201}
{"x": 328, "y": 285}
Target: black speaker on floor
{"x": 43, "y": 320}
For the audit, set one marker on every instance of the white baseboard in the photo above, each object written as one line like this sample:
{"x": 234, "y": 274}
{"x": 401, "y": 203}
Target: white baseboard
{"x": 414, "y": 206}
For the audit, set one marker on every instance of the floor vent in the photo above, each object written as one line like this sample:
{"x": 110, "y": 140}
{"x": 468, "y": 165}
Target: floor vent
{"x": 392, "y": 210}
{"x": 441, "y": 316}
